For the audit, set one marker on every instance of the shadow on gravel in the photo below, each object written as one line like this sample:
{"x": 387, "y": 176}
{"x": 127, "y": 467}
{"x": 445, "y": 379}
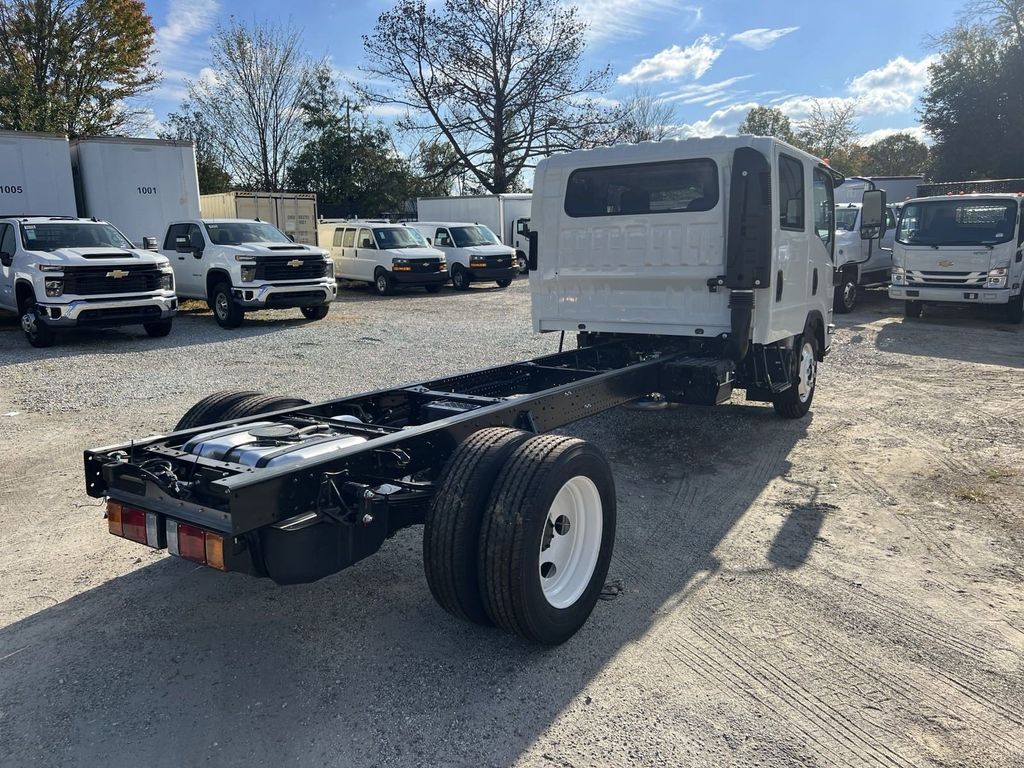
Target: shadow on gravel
{"x": 968, "y": 334}
{"x": 177, "y": 665}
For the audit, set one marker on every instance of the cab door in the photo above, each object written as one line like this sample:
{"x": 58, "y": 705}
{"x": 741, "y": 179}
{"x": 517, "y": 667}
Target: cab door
{"x": 7, "y": 251}
{"x": 367, "y": 257}
{"x": 185, "y": 247}
{"x": 795, "y": 241}
{"x": 443, "y": 241}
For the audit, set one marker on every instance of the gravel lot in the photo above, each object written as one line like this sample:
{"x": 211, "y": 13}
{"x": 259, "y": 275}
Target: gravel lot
{"x": 844, "y": 590}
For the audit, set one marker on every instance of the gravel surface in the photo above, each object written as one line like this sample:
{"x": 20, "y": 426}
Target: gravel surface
{"x": 842, "y": 590}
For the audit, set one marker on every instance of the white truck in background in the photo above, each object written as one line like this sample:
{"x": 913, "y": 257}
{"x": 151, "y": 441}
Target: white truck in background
{"x": 896, "y": 188}
{"x": 860, "y": 263}
{"x": 136, "y": 184}
{"x": 294, "y": 213}
{"x": 35, "y": 175}
{"x": 507, "y": 215}
{"x": 241, "y": 265}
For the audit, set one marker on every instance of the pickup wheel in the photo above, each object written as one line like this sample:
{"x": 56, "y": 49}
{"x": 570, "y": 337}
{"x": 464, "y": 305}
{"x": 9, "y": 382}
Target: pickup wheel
{"x": 209, "y": 409}
{"x": 521, "y": 262}
{"x": 547, "y": 538}
{"x": 256, "y": 404}
{"x": 845, "y": 298}
{"x": 37, "y": 332}
{"x": 503, "y": 283}
{"x": 226, "y": 311}
{"x": 460, "y": 278}
{"x": 1015, "y": 309}
{"x": 912, "y": 308}
{"x": 795, "y": 402}
{"x": 159, "y": 328}
{"x": 382, "y": 283}
{"x": 451, "y": 535}
{"x": 319, "y": 312}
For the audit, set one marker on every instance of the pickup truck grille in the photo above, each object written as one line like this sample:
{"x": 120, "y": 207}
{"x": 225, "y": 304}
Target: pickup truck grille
{"x": 93, "y": 281}
{"x": 301, "y": 267}
{"x": 946, "y": 279}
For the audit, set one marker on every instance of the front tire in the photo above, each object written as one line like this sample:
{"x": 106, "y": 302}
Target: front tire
{"x": 37, "y": 332}
{"x": 503, "y": 283}
{"x": 522, "y": 262}
{"x": 547, "y": 539}
{"x": 845, "y": 298}
{"x": 912, "y": 308}
{"x": 460, "y": 278}
{"x": 1015, "y": 309}
{"x": 795, "y": 402}
{"x": 318, "y": 312}
{"x": 382, "y": 283}
{"x": 210, "y": 408}
{"x": 226, "y": 311}
{"x": 158, "y": 328}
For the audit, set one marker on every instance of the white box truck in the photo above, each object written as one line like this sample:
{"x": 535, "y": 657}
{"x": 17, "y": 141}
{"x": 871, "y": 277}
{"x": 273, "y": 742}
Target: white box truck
{"x": 897, "y": 188}
{"x": 508, "y": 216}
{"x": 294, "y": 213}
{"x": 136, "y": 184}
{"x": 35, "y": 175}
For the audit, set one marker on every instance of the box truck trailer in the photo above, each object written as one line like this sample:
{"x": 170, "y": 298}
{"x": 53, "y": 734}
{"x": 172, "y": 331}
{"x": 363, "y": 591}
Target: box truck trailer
{"x": 897, "y": 188}
{"x": 35, "y": 175}
{"x": 507, "y": 215}
{"x": 294, "y": 213}
{"x": 686, "y": 268}
{"x": 139, "y": 185}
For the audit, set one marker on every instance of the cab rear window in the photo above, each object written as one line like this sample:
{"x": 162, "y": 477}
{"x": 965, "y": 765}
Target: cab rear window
{"x": 622, "y": 190}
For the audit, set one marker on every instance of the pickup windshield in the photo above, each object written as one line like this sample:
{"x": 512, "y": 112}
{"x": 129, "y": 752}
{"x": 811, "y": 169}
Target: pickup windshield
{"x": 398, "y": 237}
{"x": 957, "y": 222}
{"x": 846, "y": 219}
{"x": 467, "y": 237}
{"x": 71, "y": 234}
{"x": 238, "y": 232}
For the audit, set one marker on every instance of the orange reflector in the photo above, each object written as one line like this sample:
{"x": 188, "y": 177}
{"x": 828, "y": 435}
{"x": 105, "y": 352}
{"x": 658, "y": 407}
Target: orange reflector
{"x": 191, "y": 544}
{"x": 114, "y": 518}
{"x": 215, "y": 551}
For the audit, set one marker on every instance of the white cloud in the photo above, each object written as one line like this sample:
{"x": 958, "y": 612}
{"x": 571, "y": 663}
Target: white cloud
{"x": 181, "y": 43}
{"x": 916, "y": 131}
{"x": 893, "y": 87}
{"x": 614, "y": 19}
{"x": 762, "y": 37}
{"x": 676, "y": 62}
{"x": 707, "y": 94}
{"x": 721, "y": 122}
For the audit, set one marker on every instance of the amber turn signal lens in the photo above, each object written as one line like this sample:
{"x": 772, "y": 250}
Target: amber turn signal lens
{"x": 114, "y": 518}
{"x": 215, "y": 551}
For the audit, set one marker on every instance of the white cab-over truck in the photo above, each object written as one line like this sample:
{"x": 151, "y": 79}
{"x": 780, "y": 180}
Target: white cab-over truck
{"x": 241, "y": 265}
{"x": 685, "y": 268}
{"x": 61, "y": 272}
{"x": 960, "y": 249}
{"x": 861, "y": 263}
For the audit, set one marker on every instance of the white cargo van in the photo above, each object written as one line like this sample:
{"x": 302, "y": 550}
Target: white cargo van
{"x": 385, "y": 255}
{"x": 35, "y": 175}
{"x": 862, "y": 263}
{"x": 960, "y": 249}
{"x": 507, "y": 215}
{"x": 139, "y": 185}
{"x": 472, "y": 251}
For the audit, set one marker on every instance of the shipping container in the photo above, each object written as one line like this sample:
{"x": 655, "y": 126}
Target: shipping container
{"x": 294, "y": 213}
{"x": 138, "y": 185}
{"x": 35, "y": 174}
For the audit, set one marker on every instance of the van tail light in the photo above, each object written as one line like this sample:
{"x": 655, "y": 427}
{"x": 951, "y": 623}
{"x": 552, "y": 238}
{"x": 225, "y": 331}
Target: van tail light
{"x": 191, "y": 543}
{"x": 135, "y": 524}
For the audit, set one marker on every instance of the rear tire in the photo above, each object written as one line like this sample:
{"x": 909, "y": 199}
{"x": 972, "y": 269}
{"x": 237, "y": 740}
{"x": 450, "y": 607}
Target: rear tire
{"x": 382, "y": 283}
{"x": 256, "y": 404}
{"x": 451, "y": 535}
{"x": 209, "y": 409}
{"x": 37, "y": 332}
{"x": 503, "y": 283}
{"x": 845, "y": 297}
{"x": 1015, "y": 309}
{"x": 912, "y": 308}
{"x": 795, "y": 402}
{"x": 318, "y": 312}
{"x": 460, "y": 278}
{"x": 226, "y": 311}
{"x": 547, "y": 538}
{"x": 159, "y": 328}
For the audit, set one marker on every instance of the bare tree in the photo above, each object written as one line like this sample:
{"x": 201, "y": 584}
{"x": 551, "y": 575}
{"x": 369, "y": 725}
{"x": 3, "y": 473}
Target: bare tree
{"x": 1006, "y": 17}
{"x": 253, "y": 100}
{"x": 642, "y": 117}
{"x": 498, "y": 80}
{"x": 829, "y": 128}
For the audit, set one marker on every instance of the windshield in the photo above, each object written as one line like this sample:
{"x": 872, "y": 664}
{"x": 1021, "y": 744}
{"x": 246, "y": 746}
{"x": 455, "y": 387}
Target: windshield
{"x": 238, "y": 232}
{"x": 399, "y": 237}
{"x": 71, "y": 234}
{"x": 846, "y": 219}
{"x": 467, "y": 237}
{"x": 957, "y": 222}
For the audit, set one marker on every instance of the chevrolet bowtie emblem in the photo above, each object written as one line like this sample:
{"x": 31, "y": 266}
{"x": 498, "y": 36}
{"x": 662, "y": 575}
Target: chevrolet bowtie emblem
{"x": 118, "y": 273}
{"x": 295, "y": 263}
{"x": 945, "y": 263}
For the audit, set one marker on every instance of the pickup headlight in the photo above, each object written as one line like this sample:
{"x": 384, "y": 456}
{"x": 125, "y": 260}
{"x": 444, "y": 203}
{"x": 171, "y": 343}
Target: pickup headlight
{"x": 54, "y": 286}
{"x": 49, "y": 268}
{"x": 248, "y": 273}
{"x": 997, "y": 277}
{"x": 442, "y": 266}
{"x": 330, "y": 268}
{"x": 899, "y": 276}
{"x": 166, "y": 281}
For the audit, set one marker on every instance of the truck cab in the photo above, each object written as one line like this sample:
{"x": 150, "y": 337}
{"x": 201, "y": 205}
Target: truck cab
{"x": 61, "y": 272}
{"x": 862, "y": 263}
{"x": 384, "y": 255}
{"x": 473, "y": 252}
{"x": 242, "y": 265}
{"x": 960, "y": 249}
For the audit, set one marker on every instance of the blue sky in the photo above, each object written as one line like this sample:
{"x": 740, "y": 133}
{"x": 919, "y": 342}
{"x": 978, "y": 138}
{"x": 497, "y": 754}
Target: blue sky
{"x": 713, "y": 60}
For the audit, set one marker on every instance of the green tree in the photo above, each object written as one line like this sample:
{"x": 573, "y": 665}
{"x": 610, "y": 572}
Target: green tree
{"x": 499, "y": 80}
{"x": 191, "y": 125}
{"x": 897, "y": 155}
{"x": 68, "y": 66}
{"x": 767, "y": 121}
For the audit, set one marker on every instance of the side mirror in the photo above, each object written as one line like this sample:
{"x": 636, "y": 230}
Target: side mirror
{"x": 291, "y": 237}
{"x": 430, "y": 241}
{"x": 150, "y": 244}
{"x": 872, "y": 214}
{"x": 6, "y": 259}
{"x": 523, "y": 227}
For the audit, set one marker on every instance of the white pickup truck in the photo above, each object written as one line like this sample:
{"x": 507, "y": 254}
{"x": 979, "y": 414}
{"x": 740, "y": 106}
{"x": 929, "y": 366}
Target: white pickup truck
{"x": 61, "y": 272}
{"x": 241, "y": 265}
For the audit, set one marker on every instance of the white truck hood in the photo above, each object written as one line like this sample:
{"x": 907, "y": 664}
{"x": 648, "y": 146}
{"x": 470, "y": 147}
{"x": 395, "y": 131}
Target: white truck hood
{"x": 274, "y": 249}
{"x": 99, "y": 256}
{"x": 490, "y": 250}
{"x": 417, "y": 253}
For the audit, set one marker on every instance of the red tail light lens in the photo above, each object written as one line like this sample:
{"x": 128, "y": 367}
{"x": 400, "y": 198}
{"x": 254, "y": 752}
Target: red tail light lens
{"x": 191, "y": 543}
{"x": 133, "y": 523}
{"x": 195, "y": 544}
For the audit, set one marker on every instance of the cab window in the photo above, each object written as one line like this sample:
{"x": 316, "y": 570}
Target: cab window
{"x": 349, "y": 240}
{"x": 824, "y": 207}
{"x": 173, "y": 233}
{"x": 365, "y": 239}
{"x": 890, "y": 220}
{"x": 442, "y": 238}
{"x": 791, "y": 193}
{"x": 338, "y": 232}
{"x": 7, "y": 244}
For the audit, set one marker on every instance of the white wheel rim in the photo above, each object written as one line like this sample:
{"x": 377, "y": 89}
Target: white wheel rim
{"x": 571, "y": 542}
{"x": 808, "y": 372}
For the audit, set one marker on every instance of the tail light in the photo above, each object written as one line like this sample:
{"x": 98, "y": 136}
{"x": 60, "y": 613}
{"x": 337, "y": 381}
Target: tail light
{"x": 135, "y": 524}
{"x": 195, "y": 544}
